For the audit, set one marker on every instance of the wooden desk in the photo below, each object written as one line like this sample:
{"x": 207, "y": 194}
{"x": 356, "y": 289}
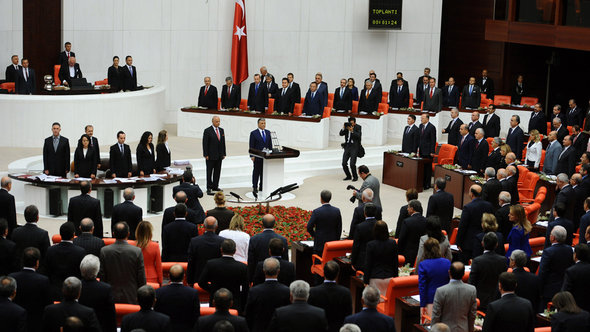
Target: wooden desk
{"x": 407, "y": 313}
{"x": 454, "y": 183}
{"x": 467, "y": 183}
{"x": 403, "y": 172}
{"x": 85, "y": 91}
{"x": 542, "y": 321}
{"x": 346, "y": 270}
{"x": 356, "y": 290}
{"x": 301, "y": 258}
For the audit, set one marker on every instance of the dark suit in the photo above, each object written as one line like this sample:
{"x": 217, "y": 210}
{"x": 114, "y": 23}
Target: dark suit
{"x": 480, "y": 155}
{"x": 470, "y": 224}
{"x": 206, "y": 323}
{"x": 381, "y": 260}
{"x": 371, "y": 320}
{"x": 214, "y": 152}
{"x": 193, "y": 193}
{"x": 56, "y": 161}
{"x": 584, "y": 223}
{"x": 263, "y": 299}
{"x": 485, "y": 271}
{"x": 472, "y": 127}
{"x": 336, "y": 301}
{"x": 146, "y": 159}
{"x": 473, "y": 99}
{"x": 226, "y": 272}
{"x": 343, "y": 102}
{"x": 233, "y": 99}
{"x": 258, "y": 249}
{"x": 25, "y": 83}
{"x": 518, "y": 91}
{"x": 562, "y": 132}
{"x": 566, "y": 162}
{"x": 362, "y": 235}
{"x": 129, "y": 78}
{"x": 259, "y": 143}
{"x": 115, "y": 78}
{"x": 510, "y": 185}
{"x": 487, "y": 87}
{"x": 465, "y": 150}
{"x": 85, "y": 166}
{"x": 313, "y": 103}
{"x": 478, "y": 248}
{"x": 272, "y": 89}
{"x": 565, "y": 223}
{"x": 30, "y": 235}
{"x": 495, "y": 159}
{"x": 122, "y": 267}
{"x": 514, "y": 139}
{"x": 441, "y": 204}
{"x": 8, "y": 209}
{"x": 11, "y": 72}
{"x": 8, "y": 263}
{"x": 163, "y": 157}
{"x": 223, "y": 216}
{"x": 574, "y": 116}
{"x": 208, "y": 100}
{"x": 33, "y": 294}
{"x": 176, "y": 238}
{"x": 323, "y": 91}
{"x": 567, "y": 196}
{"x": 62, "y": 261}
{"x": 85, "y": 206}
{"x": 451, "y": 96}
{"x": 286, "y": 273}
{"x": 181, "y": 304}
{"x": 565, "y": 321}
{"x": 90, "y": 243}
{"x": 296, "y": 91}
{"x": 421, "y": 90}
{"x": 201, "y": 249}
{"x": 13, "y": 316}
{"x": 491, "y": 125}
{"x": 538, "y": 121}
{"x": 284, "y": 103}
{"x": 433, "y": 103}
{"x": 129, "y": 212}
{"x": 55, "y": 316}
{"x": 369, "y": 104}
{"x": 453, "y": 131}
{"x": 351, "y": 146}
{"x": 298, "y": 316}
{"x": 412, "y": 229}
{"x": 191, "y": 217}
{"x": 490, "y": 192}
{"x": 64, "y": 58}
{"x": 509, "y": 313}
{"x": 98, "y": 296}
{"x": 554, "y": 262}
{"x": 120, "y": 163}
{"x": 528, "y": 286}
{"x": 426, "y": 146}
{"x": 148, "y": 320}
{"x": 411, "y": 139}
{"x": 324, "y": 225}
{"x": 258, "y": 99}
{"x": 65, "y": 75}
{"x": 580, "y": 144}
{"x": 576, "y": 282}
{"x": 398, "y": 98}
{"x": 358, "y": 216}
{"x": 504, "y": 224}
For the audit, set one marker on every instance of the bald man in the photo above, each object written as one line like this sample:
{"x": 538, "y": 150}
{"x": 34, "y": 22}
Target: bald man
{"x": 201, "y": 249}
{"x": 470, "y": 224}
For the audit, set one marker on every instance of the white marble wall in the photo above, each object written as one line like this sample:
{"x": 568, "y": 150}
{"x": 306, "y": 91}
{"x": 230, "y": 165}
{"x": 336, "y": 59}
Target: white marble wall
{"x": 11, "y": 31}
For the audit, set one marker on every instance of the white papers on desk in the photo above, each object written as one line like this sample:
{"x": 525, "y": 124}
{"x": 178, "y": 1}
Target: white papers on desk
{"x": 109, "y": 181}
{"x": 305, "y": 116}
{"x": 403, "y": 154}
{"x": 340, "y": 111}
{"x": 394, "y": 109}
{"x": 65, "y": 180}
{"x": 467, "y": 171}
{"x": 82, "y": 179}
{"x": 454, "y": 247}
{"x": 124, "y": 180}
{"x": 467, "y": 268}
{"x": 181, "y": 162}
{"x": 543, "y": 223}
{"x": 416, "y": 297}
{"x": 158, "y": 175}
{"x": 536, "y": 259}
{"x": 150, "y": 179}
{"x": 307, "y": 243}
{"x": 174, "y": 171}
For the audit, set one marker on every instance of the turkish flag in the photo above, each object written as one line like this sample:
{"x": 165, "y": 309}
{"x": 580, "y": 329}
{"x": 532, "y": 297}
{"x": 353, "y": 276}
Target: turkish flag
{"x": 239, "y": 46}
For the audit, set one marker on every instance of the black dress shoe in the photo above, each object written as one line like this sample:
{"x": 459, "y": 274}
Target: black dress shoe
{"x": 346, "y": 178}
{"x": 355, "y": 179}
{"x": 254, "y": 190}
{"x": 209, "y": 192}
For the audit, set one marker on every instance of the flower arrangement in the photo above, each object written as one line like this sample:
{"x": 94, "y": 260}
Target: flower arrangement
{"x": 291, "y": 222}
{"x": 450, "y": 166}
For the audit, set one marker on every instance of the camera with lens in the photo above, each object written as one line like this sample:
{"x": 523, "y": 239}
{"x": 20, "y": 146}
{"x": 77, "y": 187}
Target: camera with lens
{"x": 347, "y": 125}
{"x": 351, "y": 187}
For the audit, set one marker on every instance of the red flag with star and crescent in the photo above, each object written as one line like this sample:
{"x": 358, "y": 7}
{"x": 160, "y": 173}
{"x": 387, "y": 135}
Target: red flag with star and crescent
{"x": 239, "y": 46}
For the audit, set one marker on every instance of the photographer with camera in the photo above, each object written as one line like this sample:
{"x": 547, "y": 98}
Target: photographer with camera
{"x": 352, "y": 143}
{"x": 369, "y": 181}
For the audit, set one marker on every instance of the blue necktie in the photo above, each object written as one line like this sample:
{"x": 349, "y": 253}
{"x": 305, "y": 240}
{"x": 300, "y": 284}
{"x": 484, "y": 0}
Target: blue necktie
{"x": 341, "y": 92}
{"x": 256, "y": 92}
{"x": 470, "y": 89}
{"x": 263, "y": 136}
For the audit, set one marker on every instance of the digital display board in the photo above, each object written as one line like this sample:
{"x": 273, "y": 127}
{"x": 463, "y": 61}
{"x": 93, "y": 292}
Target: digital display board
{"x": 385, "y": 14}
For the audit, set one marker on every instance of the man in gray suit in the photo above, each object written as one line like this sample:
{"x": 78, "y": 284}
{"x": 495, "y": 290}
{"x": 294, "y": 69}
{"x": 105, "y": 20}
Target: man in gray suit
{"x": 552, "y": 153}
{"x": 432, "y": 97}
{"x": 122, "y": 266}
{"x": 455, "y": 303}
{"x": 369, "y": 181}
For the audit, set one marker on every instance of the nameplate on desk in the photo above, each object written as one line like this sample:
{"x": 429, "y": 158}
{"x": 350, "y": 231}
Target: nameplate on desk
{"x": 399, "y": 163}
{"x": 448, "y": 178}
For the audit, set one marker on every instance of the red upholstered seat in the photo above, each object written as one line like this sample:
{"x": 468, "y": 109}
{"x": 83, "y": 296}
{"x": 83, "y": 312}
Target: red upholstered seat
{"x": 103, "y": 82}
{"x": 398, "y": 286}
{"x": 271, "y": 106}
{"x": 332, "y": 250}
{"x": 123, "y": 309}
{"x": 445, "y": 156}
{"x": 529, "y": 101}
{"x": 383, "y": 108}
{"x": 532, "y": 212}
{"x": 206, "y": 311}
{"x": 411, "y": 101}
{"x": 8, "y": 86}
{"x": 453, "y": 238}
{"x": 501, "y": 99}
{"x": 244, "y": 104}
{"x": 355, "y": 107}
{"x": 298, "y": 109}
{"x": 526, "y": 191}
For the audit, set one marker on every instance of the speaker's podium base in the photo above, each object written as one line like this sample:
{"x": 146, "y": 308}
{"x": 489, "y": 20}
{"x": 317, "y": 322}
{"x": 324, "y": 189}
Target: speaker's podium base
{"x": 273, "y": 171}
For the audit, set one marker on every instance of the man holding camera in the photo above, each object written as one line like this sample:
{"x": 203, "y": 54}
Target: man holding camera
{"x": 352, "y": 143}
{"x": 369, "y": 181}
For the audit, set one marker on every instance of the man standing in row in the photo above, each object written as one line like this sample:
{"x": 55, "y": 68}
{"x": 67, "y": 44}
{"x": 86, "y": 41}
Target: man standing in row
{"x": 369, "y": 99}
{"x": 432, "y": 97}
{"x": 342, "y": 97}
{"x": 259, "y": 139}
{"x": 13, "y": 69}
{"x": 230, "y": 94}
{"x": 257, "y": 95}
{"x": 69, "y": 71}
{"x": 352, "y": 142}
{"x": 208, "y": 95}
{"x": 129, "y": 75}
{"x": 313, "y": 104}
{"x": 471, "y": 95}
{"x": 56, "y": 153}
{"x": 399, "y": 95}
{"x": 453, "y": 128}
{"x": 120, "y": 157}
{"x": 25, "y": 79}
{"x": 214, "y": 152}
{"x": 451, "y": 94}
{"x": 285, "y": 98}
{"x": 411, "y": 137}
{"x": 65, "y": 56}
{"x": 427, "y": 145}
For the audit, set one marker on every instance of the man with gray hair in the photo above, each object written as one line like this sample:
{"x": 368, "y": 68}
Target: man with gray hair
{"x": 97, "y": 294}
{"x": 552, "y": 153}
{"x": 208, "y": 95}
{"x": 13, "y": 316}
{"x": 565, "y": 195}
{"x": 214, "y": 152}
{"x": 86, "y": 240}
{"x": 480, "y": 151}
{"x": 491, "y": 188}
{"x": 350, "y": 328}
{"x": 299, "y": 316}
{"x": 230, "y": 94}
{"x": 528, "y": 284}
{"x": 128, "y": 212}
{"x": 510, "y": 183}
{"x": 271, "y": 86}
{"x": 325, "y": 223}
{"x": 369, "y": 319}
{"x": 504, "y": 223}
{"x": 495, "y": 158}
{"x": 358, "y": 216}
{"x": 55, "y": 315}
{"x": 201, "y": 249}
{"x": 554, "y": 261}
{"x": 264, "y": 298}
{"x": 440, "y": 327}
{"x": 7, "y": 204}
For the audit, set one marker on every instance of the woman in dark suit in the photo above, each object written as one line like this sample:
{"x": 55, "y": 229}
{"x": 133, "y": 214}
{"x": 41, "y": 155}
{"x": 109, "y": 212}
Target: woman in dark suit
{"x": 411, "y": 194}
{"x": 145, "y": 154}
{"x": 488, "y": 224}
{"x": 381, "y": 258}
{"x": 114, "y": 75}
{"x": 518, "y": 238}
{"x": 569, "y": 316}
{"x": 85, "y": 159}
{"x": 163, "y": 151}
{"x": 220, "y": 212}
{"x": 353, "y": 89}
{"x": 433, "y": 272}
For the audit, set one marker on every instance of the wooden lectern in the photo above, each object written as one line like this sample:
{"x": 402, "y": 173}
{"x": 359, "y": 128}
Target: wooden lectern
{"x": 273, "y": 168}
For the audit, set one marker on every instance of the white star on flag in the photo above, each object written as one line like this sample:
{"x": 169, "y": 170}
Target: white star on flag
{"x": 240, "y": 32}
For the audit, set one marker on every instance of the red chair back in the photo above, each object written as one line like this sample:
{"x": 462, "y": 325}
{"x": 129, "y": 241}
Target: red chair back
{"x": 453, "y": 238}
{"x": 206, "y": 311}
{"x": 398, "y": 287}
{"x": 103, "y": 82}
{"x": 271, "y": 106}
{"x": 10, "y": 86}
{"x": 332, "y": 250}
{"x": 548, "y": 127}
{"x": 330, "y": 96}
{"x": 490, "y": 140}
{"x": 541, "y": 194}
{"x": 537, "y": 243}
{"x": 355, "y": 107}
{"x": 298, "y": 109}
{"x": 529, "y": 101}
{"x": 501, "y": 99}
{"x": 383, "y": 108}
{"x": 244, "y": 104}
{"x": 411, "y": 100}
{"x": 532, "y": 212}
{"x": 123, "y": 309}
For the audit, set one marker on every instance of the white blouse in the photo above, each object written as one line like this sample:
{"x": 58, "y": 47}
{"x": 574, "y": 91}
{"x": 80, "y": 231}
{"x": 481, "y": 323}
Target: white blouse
{"x": 533, "y": 153}
{"x": 242, "y": 241}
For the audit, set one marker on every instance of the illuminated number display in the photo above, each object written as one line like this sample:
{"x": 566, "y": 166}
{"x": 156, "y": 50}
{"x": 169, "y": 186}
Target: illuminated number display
{"x": 385, "y": 14}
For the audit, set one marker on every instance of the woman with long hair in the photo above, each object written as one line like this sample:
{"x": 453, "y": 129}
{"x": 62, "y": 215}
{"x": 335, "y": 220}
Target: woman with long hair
{"x": 488, "y": 224}
{"x": 163, "y": 151}
{"x": 433, "y": 272}
{"x": 145, "y": 154}
{"x": 151, "y": 252}
{"x": 433, "y": 229}
{"x": 518, "y": 238}
{"x": 353, "y": 89}
{"x": 569, "y": 317}
{"x": 381, "y": 259}
{"x": 241, "y": 238}
{"x": 85, "y": 159}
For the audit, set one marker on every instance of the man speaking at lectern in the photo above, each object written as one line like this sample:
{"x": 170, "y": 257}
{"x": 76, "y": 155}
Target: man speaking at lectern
{"x": 259, "y": 139}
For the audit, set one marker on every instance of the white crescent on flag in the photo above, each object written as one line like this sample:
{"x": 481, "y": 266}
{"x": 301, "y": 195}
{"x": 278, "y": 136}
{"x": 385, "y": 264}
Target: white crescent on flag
{"x": 241, "y": 4}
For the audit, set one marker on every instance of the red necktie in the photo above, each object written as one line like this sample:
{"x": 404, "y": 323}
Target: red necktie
{"x": 217, "y": 132}
{"x": 367, "y": 95}
{"x": 477, "y": 145}
{"x": 206, "y": 88}
{"x": 431, "y": 92}
{"x": 228, "y": 92}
